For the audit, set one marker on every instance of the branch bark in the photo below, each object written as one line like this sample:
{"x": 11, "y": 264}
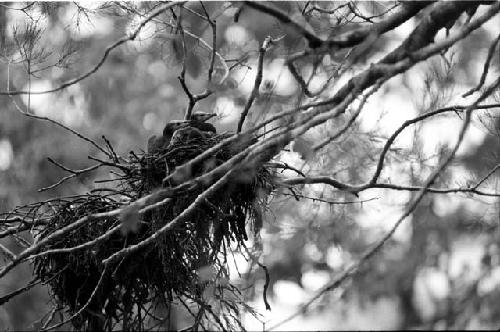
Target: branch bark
{"x": 256, "y": 86}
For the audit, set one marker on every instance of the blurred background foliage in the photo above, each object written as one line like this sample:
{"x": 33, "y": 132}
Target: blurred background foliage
{"x": 440, "y": 270}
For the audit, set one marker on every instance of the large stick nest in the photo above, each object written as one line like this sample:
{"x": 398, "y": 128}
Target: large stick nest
{"x": 168, "y": 271}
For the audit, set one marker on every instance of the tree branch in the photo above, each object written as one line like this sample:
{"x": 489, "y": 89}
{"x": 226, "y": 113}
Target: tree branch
{"x": 353, "y": 118}
{"x": 486, "y": 68}
{"x": 256, "y": 86}
{"x": 355, "y": 189}
{"x": 392, "y": 138}
{"x": 107, "y": 51}
{"x": 313, "y": 40}
{"x": 353, "y": 268}
{"x": 354, "y": 37}
{"x": 177, "y": 220}
{"x": 400, "y": 59}
{"x": 213, "y": 26}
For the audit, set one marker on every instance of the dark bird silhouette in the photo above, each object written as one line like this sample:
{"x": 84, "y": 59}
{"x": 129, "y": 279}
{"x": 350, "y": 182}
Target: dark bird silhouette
{"x": 156, "y": 144}
{"x": 195, "y": 127}
{"x": 198, "y": 120}
{"x": 186, "y": 134}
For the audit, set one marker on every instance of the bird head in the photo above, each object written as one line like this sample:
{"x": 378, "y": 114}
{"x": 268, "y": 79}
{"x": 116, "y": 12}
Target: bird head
{"x": 174, "y": 125}
{"x": 202, "y": 116}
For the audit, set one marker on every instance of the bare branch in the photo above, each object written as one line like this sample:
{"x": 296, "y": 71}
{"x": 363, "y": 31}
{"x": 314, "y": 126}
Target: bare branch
{"x": 350, "y": 38}
{"x": 486, "y": 68}
{"x": 407, "y": 123}
{"x": 85, "y": 245}
{"x": 353, "y": 118}
{"x": 355, "y": 189}
{"x": 401, "y": 59}
{"x": 313, "y": 40}
{"x": 486, "y": 177}
{"x": 192, "y": 99}
{"x": 256, "y": 86}
{"x": 75, "y": 174}
{"x": 439, "y": 17}
{"x": 353, "y": 268}
{"x": 57, "y": 123}
{"x": 107, "y": 51}
{"x": 7, "y": 253}
{"x": 22, "y": 9}
{"x": 299, "y": 79}
{"x": 213, "y": 25}
{"x": 324, "y": 180}
{"x": 200, "y": 40}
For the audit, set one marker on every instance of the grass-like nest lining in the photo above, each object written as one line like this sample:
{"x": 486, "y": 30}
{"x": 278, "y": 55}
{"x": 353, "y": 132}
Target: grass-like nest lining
{"x": 168, "y": 271}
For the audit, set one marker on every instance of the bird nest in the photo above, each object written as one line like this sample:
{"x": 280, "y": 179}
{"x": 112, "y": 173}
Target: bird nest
{"x": 185, "y": 266}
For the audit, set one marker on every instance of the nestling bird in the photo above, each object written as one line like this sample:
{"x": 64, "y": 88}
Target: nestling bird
{"x": 198, "y": 120}
{"x": 186, "y": 130}
{"x": 186, "y": 134}
{"x": 197, "y": 127}
{"x": 156, "y": 144}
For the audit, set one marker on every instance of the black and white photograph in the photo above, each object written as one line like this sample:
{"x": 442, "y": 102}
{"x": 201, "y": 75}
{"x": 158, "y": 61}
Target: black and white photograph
{"x": 249, "y": 165}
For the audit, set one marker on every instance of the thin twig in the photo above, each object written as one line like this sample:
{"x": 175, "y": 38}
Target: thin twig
{"x": 85, "y": 245}
{"x": 299, "y": 79}
{"x": 486, "y": 68}
{"x": 107, "y": 51}
{"x": 213, "y": 26}
{"x": 486, "y": 177}
{"x": 353, "y": 268}
{"x": 200, "y": 40}
{"x": 256, "y": 86}
{"x": 192, "y": 99}
{"x": 313, "y": 40}
{"x": 57, "y": 123}
{"x": 353, "y": 118}
{"x": 75, "y": 173}
{"x": 407, "y": 123}
{"x": 7, "y": 253}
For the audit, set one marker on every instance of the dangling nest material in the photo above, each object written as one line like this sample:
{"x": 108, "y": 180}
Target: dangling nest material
{"x": 179, "y": 267}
